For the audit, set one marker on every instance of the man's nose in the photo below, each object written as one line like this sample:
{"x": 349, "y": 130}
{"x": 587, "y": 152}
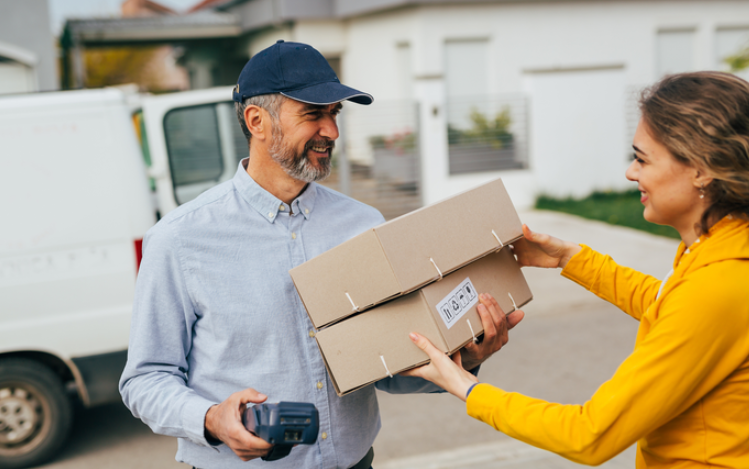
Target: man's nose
{"x": 329, "y": 127}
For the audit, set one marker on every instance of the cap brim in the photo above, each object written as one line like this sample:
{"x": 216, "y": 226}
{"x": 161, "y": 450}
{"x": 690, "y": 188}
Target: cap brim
{"x": 329, "y": 93}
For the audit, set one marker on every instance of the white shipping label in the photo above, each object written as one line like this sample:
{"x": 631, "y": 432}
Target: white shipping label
{"x": 458, "y": 302}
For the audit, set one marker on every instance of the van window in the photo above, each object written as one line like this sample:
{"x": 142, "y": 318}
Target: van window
{"x": 204, "y": 143}
{"x": 194, "y": 147}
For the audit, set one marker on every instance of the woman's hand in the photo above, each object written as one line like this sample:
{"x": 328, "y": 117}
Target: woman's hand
{"x": 542, "y": 250}
{"x": 443, "y": 371}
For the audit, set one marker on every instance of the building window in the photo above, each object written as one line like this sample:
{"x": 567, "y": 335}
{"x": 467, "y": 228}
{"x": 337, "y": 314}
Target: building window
{"x": 484, "y": 130}
{"x": 675, "y": 51}
{"x": 466, "y": 68}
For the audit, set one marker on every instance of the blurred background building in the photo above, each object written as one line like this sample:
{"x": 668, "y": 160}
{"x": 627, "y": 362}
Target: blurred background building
{"x": 542, "y": 94}
{"x": 27, "y": 49}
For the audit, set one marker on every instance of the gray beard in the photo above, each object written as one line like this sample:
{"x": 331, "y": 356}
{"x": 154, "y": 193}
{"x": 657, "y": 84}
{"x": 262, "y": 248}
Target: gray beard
{"x": 298, "y": 165}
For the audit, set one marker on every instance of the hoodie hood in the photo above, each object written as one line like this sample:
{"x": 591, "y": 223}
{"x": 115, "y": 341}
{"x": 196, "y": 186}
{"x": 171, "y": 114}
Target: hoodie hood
{"x": 727, "y": 239}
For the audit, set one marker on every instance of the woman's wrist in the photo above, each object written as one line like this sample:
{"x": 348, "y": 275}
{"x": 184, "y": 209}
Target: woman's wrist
{"x": 467, "y": 383}
{"x": 569, "y": 252}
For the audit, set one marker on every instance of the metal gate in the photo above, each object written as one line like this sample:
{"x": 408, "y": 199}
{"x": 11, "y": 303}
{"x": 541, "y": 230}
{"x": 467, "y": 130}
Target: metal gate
{"x": 377, "y": 159}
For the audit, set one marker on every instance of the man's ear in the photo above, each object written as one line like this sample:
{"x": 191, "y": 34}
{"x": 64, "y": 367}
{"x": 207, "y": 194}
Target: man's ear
{"x": 257, "y": 120}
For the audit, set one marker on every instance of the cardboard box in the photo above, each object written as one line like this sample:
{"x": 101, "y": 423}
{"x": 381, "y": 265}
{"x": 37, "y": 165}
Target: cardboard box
{"x": 406, "y": 253}
{"x": 367, "y": 347}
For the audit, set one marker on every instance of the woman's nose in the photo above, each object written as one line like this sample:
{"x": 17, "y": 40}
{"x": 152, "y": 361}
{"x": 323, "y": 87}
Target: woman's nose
{"x": 631, "y": 172}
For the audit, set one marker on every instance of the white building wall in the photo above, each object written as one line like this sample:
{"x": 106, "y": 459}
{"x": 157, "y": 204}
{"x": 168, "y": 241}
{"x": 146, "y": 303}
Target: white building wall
{"x": 329, "y": 37}
{"x": 525, "y": 39}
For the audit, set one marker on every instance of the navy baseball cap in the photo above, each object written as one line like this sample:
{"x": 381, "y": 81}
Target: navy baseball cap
{"x": 297, "y": 71}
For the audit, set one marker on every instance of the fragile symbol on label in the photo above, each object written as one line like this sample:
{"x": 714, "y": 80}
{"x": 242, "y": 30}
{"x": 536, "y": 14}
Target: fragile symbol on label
{"x": 457, "y": 302}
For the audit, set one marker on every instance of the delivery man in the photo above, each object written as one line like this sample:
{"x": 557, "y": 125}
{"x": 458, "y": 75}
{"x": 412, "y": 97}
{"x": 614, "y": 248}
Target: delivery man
{"x": 217, "y": 323}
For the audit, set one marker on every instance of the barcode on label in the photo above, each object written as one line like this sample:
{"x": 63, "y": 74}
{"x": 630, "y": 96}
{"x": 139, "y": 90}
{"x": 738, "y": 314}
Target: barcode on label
{"x": 457, "y": 302}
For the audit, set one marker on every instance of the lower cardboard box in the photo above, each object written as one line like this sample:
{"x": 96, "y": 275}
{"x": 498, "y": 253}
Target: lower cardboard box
{"x": 374, "y": 344}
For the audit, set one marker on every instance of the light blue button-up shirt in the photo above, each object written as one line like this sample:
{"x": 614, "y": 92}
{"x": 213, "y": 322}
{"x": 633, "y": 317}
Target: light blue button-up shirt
{"x": 216, "y": 312}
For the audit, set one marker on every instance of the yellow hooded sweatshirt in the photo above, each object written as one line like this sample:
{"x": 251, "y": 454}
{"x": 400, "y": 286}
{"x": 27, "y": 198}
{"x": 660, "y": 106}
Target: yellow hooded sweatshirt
{"x": 683, "y": 393}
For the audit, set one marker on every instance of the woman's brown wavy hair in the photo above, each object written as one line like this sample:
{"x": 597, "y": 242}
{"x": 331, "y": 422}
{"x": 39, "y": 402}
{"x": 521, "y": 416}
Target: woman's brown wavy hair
{"x": 702, "y": 118}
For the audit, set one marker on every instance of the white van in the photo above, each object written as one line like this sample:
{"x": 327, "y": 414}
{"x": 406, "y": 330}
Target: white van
{"x": 79, "y": 186}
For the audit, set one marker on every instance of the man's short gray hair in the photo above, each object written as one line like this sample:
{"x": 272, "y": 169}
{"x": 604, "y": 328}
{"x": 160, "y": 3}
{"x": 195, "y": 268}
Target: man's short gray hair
{"x": 270, "y": 102}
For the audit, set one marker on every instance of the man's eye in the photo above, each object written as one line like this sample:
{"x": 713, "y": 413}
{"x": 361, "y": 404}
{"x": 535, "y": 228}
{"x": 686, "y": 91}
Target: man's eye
{"x": 636, "y": 158}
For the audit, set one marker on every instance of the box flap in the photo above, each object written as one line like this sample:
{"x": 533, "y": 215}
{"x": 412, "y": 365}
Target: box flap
{"x": 406, "y": 253}
{"x": 357, "y": 267}
{"x": 451, "y": 233}
{"x": 358, "y": 349}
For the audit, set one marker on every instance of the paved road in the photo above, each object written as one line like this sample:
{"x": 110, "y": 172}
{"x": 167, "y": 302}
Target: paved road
{"x": 569, "y": 343}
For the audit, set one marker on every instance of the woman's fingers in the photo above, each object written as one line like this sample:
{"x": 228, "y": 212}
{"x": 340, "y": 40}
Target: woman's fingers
{"x": 442, "y": 370}
{"x": 424, "y": 344}
{"x": 527, "y": 233}
{"x": 540, "y": 249}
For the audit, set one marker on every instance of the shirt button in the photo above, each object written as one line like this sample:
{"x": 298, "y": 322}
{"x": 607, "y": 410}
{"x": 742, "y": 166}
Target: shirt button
{"x": 270, "y": 215}
{"x": 311, "y": 333}
{"x": 306, "y": 210}
{"x": 282, "y": 208}
{"x": 319, "y": 385}
{"x": 293, "y": 235}
{"x": 324, "y": 435}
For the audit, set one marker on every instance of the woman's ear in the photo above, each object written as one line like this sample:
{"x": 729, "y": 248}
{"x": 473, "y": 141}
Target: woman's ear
{"x": 257, "y": 121}
{"x": 702, "y": 179}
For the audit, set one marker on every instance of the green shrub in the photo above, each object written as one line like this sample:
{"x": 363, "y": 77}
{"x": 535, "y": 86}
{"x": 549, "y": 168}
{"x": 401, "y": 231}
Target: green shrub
{"x": 483, "y": 131}
{"x": 615, "y": 208}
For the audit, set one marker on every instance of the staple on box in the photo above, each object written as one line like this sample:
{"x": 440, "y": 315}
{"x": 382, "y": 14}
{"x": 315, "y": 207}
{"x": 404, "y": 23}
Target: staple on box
{"x": 514, "y": 306}
{"x": 475, "y": 340}
{"x": 439, "y": 272}
{"x": 386, "y": 366}
{"x": 501, "y": 244}
{"x": 356, "y": 308}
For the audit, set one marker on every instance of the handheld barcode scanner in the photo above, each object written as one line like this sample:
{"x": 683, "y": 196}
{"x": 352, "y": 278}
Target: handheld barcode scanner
{"x": 283, "y": 424}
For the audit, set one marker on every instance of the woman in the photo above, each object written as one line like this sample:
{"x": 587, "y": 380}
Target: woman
{"x": 683, "y": 393}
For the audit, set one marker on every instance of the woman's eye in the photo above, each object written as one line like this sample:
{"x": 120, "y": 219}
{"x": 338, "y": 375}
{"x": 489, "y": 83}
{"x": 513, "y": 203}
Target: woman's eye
{"x": 636, "y": 158}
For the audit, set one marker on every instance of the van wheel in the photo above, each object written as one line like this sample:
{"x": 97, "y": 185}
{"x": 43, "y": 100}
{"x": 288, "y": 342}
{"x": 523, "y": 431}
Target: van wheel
{"x": 35, "y": 413}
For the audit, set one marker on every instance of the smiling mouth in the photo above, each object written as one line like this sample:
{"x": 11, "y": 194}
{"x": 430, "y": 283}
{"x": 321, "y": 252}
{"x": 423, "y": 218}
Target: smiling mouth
{"x": 322, "y": 149}
{"x": 320, "y": 146}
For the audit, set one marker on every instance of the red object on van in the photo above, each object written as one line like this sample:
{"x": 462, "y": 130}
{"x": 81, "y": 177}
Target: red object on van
{"x": 138, "y": 253}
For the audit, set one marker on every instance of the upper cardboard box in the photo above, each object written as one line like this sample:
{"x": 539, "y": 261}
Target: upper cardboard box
{"x": 370, "y": 346}
{"x": 406, "y": 253}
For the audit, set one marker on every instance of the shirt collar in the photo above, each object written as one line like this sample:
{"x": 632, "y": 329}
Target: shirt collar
{"x": 265, "y": 203}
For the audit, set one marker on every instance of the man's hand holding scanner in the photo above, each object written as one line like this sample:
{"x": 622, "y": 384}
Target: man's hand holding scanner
{"x": 224, "y": 422}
